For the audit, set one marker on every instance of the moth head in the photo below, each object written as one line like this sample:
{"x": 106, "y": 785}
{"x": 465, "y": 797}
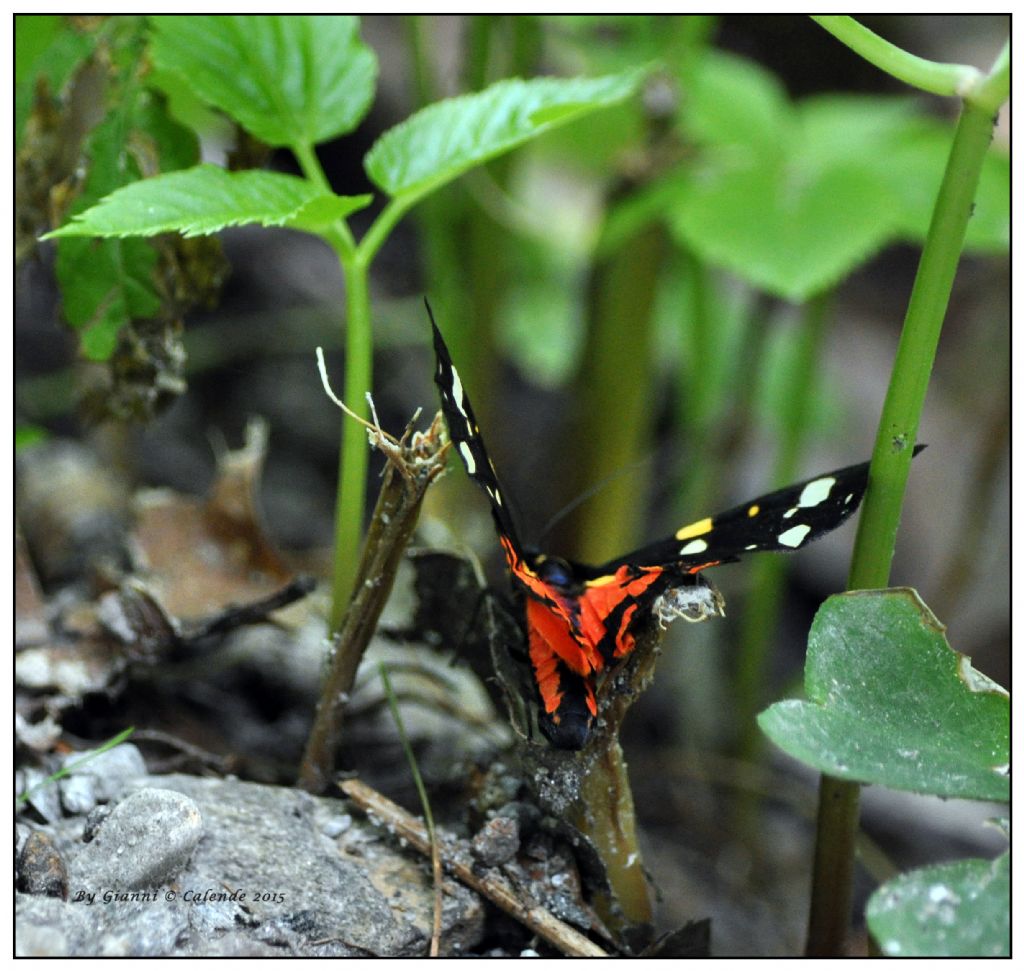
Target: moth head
{"x": 555, "y": 571}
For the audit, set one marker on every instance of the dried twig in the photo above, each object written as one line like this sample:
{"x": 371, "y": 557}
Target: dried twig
{"x": 234, "y": 616}
{"x": 493, "y": 886}
{"x": 414, "y": 461}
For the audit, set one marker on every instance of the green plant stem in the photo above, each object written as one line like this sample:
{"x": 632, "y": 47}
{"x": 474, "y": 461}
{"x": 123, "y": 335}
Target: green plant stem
{"x": 339, "y": 235}
{"x": 605, "y": 813}
{"x": 615, "y": 378}
{"x": 354, "y": 457}
{"x": 838, "y": 816}
{"x": 353, "y": 460}
{"x": 904, "y": 402}
{"x": 386, "y": 221}
{"x": 933, "y": 76}
{"x": 876, "y": 534}
{"x": 699, "y": 392}
{"x": 423, "y": 83}
{"x": 991, "y": 91}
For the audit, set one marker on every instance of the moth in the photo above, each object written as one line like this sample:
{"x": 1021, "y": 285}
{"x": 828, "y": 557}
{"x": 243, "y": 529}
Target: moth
{"x": 581, "y": 620}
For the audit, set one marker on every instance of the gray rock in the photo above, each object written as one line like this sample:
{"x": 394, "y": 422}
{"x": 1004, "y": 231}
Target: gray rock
{"x": 48, "y": 926}
{"x": 497, "y": 842}
{"x": 264, "y": 880}
{"x": 100, "y": 778}
{"x": 44, "y": 796}
{"x": 145, "y": 841}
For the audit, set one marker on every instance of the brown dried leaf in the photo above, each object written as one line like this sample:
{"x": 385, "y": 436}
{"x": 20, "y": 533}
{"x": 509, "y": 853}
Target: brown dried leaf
{"x": 203, "y": 555}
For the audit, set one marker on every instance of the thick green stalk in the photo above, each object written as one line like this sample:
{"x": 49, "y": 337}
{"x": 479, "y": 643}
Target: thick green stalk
{"x": 696, "y": 394}
{"x": 423, "y": 81}
{"x": 614, "y": 397}
{"x": 832, "y": 886}
{"x": 834, "y": 856}
{"x": 904, "y": 402}
{"x": 354, "y": 457}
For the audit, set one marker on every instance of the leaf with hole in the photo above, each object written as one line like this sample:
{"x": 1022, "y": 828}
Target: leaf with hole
{"x": 890, "y": 702}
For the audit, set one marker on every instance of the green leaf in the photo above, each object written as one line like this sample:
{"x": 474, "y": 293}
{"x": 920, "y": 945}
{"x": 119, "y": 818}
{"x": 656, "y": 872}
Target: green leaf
{"x": 890, "y": 702}
{"x": 445, "y": 139}
{"x": 171, "y": 145}
{"x": 105, "y": 283}
{"x": 205, "y": 199}
{"x": 914, "y": 166}
{"x": 794, "y": 197}
{"x": 734, "y": 103}
{"x": 833, "y": 127}
{"x": 789, "y": 231}
{"x": 541, "y": 331}
{"x": 609, "y": 42}
{"x": 46, "y": 47}
{"x": 287, "y": 79}
{"x": 32, "y": 36}
{"x": 957, "y": 909}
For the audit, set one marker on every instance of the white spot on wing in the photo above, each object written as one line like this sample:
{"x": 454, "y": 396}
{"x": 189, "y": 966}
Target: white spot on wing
{"x": 697, "y": 546}
{"x": 795, "y": 536}
{"x": 467, "y": 457}
{"x": 816, "y": 492}
{"x": 752, "y": 546}
{"x": 458, "y": 395}
{"x": 789, "y": 512}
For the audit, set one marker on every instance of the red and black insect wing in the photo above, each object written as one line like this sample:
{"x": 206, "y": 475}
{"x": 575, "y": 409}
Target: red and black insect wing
{"x": 562, "y": 663}
{"x": 581, "y": 620}
{"x": 780, "y": 522}
{"x": 464, "y": 433}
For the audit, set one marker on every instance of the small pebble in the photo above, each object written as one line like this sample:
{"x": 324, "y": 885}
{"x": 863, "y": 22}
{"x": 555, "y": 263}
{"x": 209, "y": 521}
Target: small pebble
{"x": 336, "y": 825}
{"x": 497, "y": 842}
{"x": 145, "y": 841}
{"x": 41, "y": 869}
{"x": 99, "y": 779}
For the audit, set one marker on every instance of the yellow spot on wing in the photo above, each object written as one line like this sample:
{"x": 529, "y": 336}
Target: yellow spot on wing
{"x": 695, "y": 529}
{"x": 601, "y": 581}
{"x": 753, "y": 510}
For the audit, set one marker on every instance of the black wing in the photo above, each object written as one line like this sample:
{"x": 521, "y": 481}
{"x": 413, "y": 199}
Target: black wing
{"x": 464, "y": 433}
{"x": 781, "y": 521}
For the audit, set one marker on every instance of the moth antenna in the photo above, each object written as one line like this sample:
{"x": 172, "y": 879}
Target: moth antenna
{"x": 574, "y": 504}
